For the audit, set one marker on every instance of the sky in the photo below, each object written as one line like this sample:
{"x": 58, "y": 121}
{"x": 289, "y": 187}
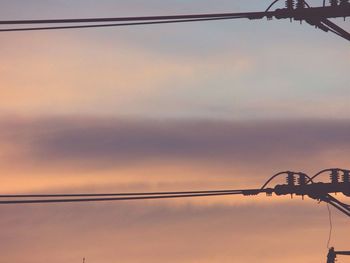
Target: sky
{"x": 209, "y": 105}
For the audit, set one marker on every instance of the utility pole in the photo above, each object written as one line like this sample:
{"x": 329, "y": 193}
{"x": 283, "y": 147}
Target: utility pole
{"x": 332, "y": 254}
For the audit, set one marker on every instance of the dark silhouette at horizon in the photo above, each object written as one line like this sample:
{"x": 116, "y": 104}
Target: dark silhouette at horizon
{"x": 332, "y": 255}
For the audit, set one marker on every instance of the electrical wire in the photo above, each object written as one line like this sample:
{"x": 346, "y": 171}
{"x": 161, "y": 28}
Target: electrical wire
{"x": 129, "y": 21}
{"x": 127, "y": 198}
{"x": 330, "y": 225}
{"x": 326, "y": 170}
{"x": 117, "y": 194}
{"x": 112, "y": 24}
{"x": 273, "y": 177}
{"x": 91, "y": 197}
{"x": 81, "y": 23}
{"x": 132, "y": 19}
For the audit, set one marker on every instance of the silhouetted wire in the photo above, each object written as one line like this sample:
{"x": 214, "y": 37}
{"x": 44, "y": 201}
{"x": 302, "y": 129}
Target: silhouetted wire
{"x": 132, "y": 19}
{"x": 274, "y": 2}
{"x": 272, "y": 178}
{"x": 335, "y": 29}
{"x": 128, "y": 198}
{"x": 60, "y": 198}
{"x": 80, "y": 23}
{"x": 118, "y": 194}
{"x": 282, "y": 173}
{"x": 330, "y": 225}
{"x": 271, "y": 5}
{"x": 323, "y": 171}
{"x": 111, "y": 25}
{"x": 121, "y": 196}
{"x": 335, "y": 32}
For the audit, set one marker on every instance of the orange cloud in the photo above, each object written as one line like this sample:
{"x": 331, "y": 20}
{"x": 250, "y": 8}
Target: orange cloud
{"x": 74, "y": 77}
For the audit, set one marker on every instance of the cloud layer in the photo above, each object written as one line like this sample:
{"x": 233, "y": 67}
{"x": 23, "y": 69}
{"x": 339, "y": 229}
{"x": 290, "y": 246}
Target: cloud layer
{"x": 133, "y": 151}
{"x": 123, "y": 141}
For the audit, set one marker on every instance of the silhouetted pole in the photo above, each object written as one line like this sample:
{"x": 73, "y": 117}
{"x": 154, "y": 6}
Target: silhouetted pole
{"x": 332, "y": 254}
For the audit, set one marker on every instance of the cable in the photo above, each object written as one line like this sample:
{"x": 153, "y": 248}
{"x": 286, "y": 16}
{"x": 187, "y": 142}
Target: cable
{"x": 118, "y": 194}
{"x": 90, "y": 197}
{"x": 131, "y": 19}
{"x": 112, "y": 25}
{"x": 271, "y": 5}
{"x": 323, "y": 171}
{"x": 80, "y": 23}
{"x": 330, "y": 225}
{"x": 129, "y": 198}
{"x": 273, "y": 177}
{"x": 286, "y": 172}
{"x": 147, "y": 194}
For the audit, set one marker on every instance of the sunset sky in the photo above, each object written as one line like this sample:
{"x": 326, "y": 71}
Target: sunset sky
{"x": 208, "y": 105}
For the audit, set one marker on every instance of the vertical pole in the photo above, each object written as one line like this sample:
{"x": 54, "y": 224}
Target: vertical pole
{"x": 331, "y": 256}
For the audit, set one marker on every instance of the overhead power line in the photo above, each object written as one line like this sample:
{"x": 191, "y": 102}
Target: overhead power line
{"x": 330, "y": 225}
{"x": 114, "y": 24}
{"x": 127, "y": 198}
{"x": 298, "y": 183}
{"x": 119, "y": 194}
{"x": 94, "y": 197}
{"x": 122, "y": 21}
{"x": 129, "y": 19}
{"x": 98, "y": 197}
{"x": 301, "y": 11}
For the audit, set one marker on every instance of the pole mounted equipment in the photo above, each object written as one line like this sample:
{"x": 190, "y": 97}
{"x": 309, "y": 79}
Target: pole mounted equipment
{"x": 332, "y": 255}
{"x": 297, "y": 183}
{"x": 306, "y": 186}
{"x": 295, "y": 10}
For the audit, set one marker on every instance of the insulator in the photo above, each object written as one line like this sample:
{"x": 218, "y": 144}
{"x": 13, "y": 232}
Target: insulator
{"x": 346, "y": 177}
{"x": 291, "y": 179}
{"x": 334, "y": 177}
{"x": 302, "y": 179}
{"x": 333, "y": 2}
{"x": 300, "y": 4}
{"x": 290, "y": 4}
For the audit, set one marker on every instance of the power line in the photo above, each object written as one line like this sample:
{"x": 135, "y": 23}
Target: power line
{"x": 118, "y": 194}
{"x": 94, "y": 197}
{"x": 128, "y": 198}
{"x": 112, "y": 25}
{"x": 131, "y": 19}
{"x": 315, "y": 16}
{"x": 330, "y": 225}
{"x": 298, "y": 183}
{"x": 127, "y": 21}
